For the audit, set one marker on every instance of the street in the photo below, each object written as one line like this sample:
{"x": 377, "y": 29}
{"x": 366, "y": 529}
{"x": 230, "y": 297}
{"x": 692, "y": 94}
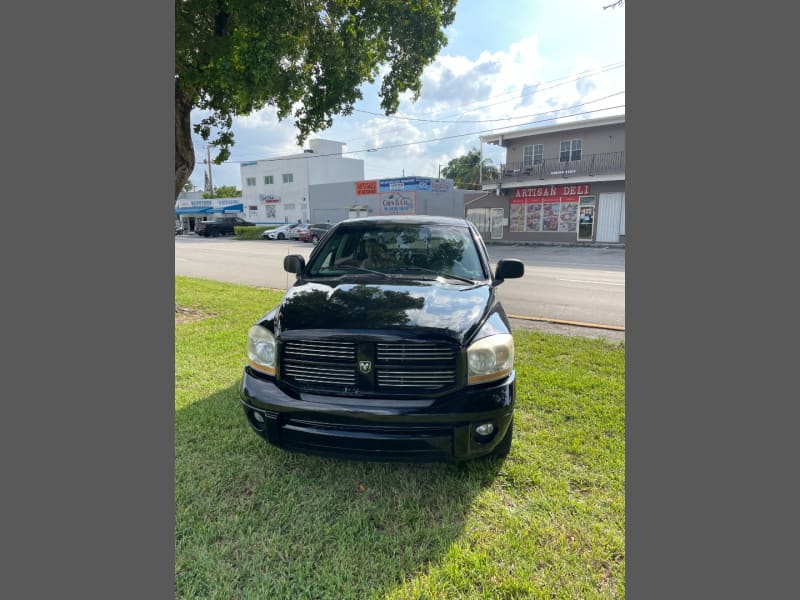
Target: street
{"x": 566, "y": 285}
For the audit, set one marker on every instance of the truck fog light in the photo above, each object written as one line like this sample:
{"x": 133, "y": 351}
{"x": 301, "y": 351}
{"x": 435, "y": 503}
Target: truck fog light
{"x": 257, "y": 420}
{"x": 484, "y": 429}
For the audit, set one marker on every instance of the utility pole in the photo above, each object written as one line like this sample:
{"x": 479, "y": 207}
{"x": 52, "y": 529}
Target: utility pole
{"x": 208, "y": 160}
{"x": 480, "y": 168}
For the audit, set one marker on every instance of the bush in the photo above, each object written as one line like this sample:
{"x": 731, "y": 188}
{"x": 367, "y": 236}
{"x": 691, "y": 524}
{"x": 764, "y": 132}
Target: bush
{"x": 249, "y": 233}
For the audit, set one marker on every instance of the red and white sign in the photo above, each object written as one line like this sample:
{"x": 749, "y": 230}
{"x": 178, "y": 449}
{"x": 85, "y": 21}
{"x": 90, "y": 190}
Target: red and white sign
{"x": 554, "y": 192}
{"x": 366, "y": 188}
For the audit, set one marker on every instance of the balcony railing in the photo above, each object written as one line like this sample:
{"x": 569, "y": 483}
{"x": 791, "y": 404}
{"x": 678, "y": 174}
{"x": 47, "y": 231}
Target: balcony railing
{"x": 553, "y": 168}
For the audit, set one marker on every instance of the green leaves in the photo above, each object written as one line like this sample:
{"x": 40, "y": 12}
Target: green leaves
{"x": 465, "y": 170}
{"x": 236, "y": 56}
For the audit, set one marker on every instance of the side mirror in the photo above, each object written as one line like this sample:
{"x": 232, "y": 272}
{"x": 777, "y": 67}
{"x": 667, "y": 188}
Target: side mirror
{"x": 294, "y": 263}
{"x": 508, "y": 268}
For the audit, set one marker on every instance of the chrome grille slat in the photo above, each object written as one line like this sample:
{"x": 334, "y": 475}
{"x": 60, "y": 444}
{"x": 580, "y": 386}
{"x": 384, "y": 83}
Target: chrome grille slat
{"x": 414, "y": 352}
{"x": 325, "y": 379}
{"x": 321, "y": 371}
{"x": 321, "y": 350}
{"x": 418, "y": 379}
{"x": 327, "y": 375}
{"x": 320, "y": 354}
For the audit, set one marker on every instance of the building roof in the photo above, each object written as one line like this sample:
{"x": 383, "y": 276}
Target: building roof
{"x": 497, "y": 138}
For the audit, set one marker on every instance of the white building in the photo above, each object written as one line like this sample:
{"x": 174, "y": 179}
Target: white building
{"x": 276, "y": 190}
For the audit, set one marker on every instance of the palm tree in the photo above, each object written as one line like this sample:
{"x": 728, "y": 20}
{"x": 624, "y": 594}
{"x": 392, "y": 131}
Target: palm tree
{"x": 465, "y": 171}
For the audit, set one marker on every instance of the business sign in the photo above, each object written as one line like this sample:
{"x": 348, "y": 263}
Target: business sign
{"x": 407, "y": 184}
{"x": 398, "y": 203}
{"x": 546, "y": 208}
{"x": 269, "y": 198}
{"x": 367, "y": 188}
{"x": 548, "y": 191}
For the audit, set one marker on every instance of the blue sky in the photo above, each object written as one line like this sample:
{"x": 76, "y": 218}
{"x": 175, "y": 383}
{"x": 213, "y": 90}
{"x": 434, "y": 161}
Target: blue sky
{"x": 514, "y": 62}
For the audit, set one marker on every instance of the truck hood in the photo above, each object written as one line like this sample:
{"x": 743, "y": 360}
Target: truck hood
{"x": 453, "y": 310}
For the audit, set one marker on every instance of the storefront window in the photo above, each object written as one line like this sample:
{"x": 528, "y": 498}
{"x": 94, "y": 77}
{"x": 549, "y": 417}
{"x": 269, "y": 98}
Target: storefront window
{"x": 546, "y": 209}
{"x": 480, "y": 218}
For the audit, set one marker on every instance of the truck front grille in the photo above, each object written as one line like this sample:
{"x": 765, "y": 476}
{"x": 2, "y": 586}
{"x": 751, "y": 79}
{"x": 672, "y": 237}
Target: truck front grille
{"x": 401, "y": 368}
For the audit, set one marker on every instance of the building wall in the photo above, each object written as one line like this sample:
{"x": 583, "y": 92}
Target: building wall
{"x": 288, "y": 202}
{"x": 595, "y": 140}
{"x": 421, "y": 196}
{"x": 330, "y": 169}
{"x": 331, "y": 201}
{"x": 480, "y": 218}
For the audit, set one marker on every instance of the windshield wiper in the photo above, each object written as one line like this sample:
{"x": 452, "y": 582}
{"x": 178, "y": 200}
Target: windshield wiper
{"x": 437, "y": 273}
{"x": 362, "y": 270}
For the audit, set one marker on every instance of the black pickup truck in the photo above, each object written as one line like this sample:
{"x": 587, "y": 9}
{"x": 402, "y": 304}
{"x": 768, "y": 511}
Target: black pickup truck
{"x": 391, "y": 344}
{"x": 220, "y": 226}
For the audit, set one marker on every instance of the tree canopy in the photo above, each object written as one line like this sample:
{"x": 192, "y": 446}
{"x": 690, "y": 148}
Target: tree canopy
{"x": 308, "y": 58}
{"x": 466, "y": 170}
{"x": 224, "y": 191}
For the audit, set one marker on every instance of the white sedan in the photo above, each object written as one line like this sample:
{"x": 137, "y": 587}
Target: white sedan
{"x": 279, "y": 233}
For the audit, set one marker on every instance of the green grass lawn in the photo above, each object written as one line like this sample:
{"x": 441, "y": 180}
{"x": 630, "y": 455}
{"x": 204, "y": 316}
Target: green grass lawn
{"x": 254, "y": 521}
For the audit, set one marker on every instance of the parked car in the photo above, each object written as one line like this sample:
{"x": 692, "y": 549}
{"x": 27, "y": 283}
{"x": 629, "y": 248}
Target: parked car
{"x": 304, "y": 235}
{"x": 278, "y": 233}
{"x": 296, "y": 230}
{"x": 410, "y": 358}
{"x": 317, "y": 231}
{"x": 178, "y": 227}
{"x": 220, "y": 226}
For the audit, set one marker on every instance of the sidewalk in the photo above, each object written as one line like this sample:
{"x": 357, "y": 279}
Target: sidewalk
{"x": 490, "y": 242}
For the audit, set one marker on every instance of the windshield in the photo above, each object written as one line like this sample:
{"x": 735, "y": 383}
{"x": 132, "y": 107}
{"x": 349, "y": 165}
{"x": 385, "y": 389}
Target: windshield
{"x": 423, "y": 251}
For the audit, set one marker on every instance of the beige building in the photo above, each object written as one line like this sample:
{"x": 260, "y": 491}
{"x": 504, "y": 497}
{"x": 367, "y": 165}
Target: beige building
{"x": 559, "y": 183}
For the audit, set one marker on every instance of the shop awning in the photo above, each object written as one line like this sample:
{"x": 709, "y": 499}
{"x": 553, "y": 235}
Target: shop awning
{"x": 210, "y": 210}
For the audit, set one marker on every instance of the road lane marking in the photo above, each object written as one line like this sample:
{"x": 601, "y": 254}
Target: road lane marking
{"x": 589, "y": 281}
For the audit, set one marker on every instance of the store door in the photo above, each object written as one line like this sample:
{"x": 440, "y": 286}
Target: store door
{"x": 586, "y": 224}
{"x": 497, "y": 223}
{"x": 610, "y": 217}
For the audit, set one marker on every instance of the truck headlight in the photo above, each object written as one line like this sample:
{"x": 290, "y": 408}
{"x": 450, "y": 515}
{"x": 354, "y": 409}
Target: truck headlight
{"x": 490, "y": 358}
{"x": 261, "y": 349}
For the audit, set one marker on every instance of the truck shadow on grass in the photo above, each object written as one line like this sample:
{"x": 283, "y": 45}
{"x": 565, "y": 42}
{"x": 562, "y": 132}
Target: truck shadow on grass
{"x": 256, "y": 521}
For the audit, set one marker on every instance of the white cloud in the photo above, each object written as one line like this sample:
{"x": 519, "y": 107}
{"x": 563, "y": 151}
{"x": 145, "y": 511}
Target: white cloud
{"x": 518, "y": 81}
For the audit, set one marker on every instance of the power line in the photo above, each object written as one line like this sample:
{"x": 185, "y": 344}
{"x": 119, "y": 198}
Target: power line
{"x": 449, "y": 137}
{"x": 569, "y": 78}
{"x": 509, "y": 118}
{"x": 516, "y": 97}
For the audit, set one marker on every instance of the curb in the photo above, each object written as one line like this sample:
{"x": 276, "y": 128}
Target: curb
{"x": 565, "y": 322}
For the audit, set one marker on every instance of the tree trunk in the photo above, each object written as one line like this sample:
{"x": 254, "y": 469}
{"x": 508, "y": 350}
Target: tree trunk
{"x": 184, "y": 149}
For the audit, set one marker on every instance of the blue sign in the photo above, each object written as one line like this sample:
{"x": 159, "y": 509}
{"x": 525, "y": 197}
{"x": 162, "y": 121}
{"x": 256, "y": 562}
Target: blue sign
{"x": 404, "y": 184}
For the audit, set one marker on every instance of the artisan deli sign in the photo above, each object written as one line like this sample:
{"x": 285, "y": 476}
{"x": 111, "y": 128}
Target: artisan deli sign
{"x": 550, "y": 191}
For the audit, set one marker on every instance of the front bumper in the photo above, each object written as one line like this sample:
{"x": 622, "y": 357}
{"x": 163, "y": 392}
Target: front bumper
{"x": 378, "y": 429}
